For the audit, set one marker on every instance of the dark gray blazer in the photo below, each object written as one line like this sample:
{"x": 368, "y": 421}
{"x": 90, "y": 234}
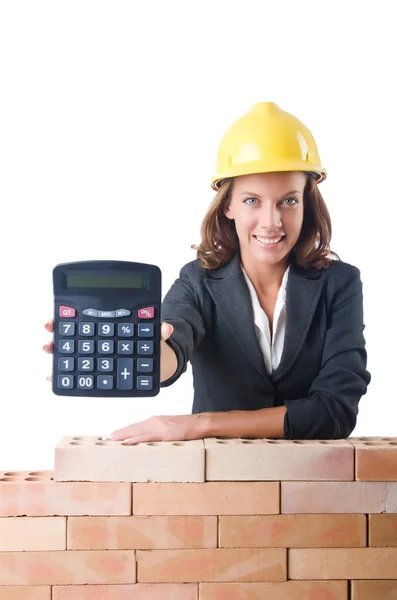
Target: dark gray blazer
{"x": 322, "y": 374}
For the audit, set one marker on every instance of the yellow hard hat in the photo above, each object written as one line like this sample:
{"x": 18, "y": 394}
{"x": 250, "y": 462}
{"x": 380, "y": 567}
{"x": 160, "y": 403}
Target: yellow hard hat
{"x": 267, "y": 139}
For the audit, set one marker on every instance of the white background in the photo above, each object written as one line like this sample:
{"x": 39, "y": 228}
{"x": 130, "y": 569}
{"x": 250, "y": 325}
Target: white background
{"x": 111, "y": 115}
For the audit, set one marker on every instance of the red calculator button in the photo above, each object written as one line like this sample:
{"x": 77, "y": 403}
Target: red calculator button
{"x": 66, "y": 312}
{"x": 146, "y": 313}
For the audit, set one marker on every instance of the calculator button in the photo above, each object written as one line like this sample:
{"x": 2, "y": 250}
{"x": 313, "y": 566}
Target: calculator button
{"x": 146, "y": 313}
{"x": 106, "y": 313}
{"x": 66, "y": 312}
{"x": 125, "y": 370}
{"x": 123, "y": 312}
{"x": 125, "y": 329}
{"x": 105, "y": 364}
{"x": 85, "y": 382}
{"x": 126, "y": 347}
{"x": 144, "y": 382}
{"x": 90, "y": 312}
{"x": 145, "y": 329}
{"x": 145, "y": 347}
{"x": 145, "y": 365}
{"x": 65, "y": 382}
{"x": 106, "y": 329}
{"x": 66, "y": 346}
{"x": 105, "y": 382}
{"x": 86, "y": 364}
{"x": 105, "y": 347}
{"x": 67, "y": 329}
{"x": 87, "y": 329}
{"x": 65, "y": 364}
{"x": 86, "y": 347}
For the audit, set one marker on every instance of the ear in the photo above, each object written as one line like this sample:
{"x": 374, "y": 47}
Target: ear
{"x": 228, "y": 213}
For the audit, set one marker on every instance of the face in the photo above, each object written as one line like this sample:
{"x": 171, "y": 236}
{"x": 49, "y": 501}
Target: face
{"x": 264, "y": 207}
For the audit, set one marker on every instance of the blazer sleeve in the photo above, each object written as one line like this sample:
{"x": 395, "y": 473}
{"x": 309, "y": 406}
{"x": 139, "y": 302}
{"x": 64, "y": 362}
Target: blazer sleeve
{"x": 180, "y": 308}
{"x": 330, "y": 411}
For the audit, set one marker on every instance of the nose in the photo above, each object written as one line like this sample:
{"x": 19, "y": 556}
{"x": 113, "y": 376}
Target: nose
{"x": 270, "y": 216}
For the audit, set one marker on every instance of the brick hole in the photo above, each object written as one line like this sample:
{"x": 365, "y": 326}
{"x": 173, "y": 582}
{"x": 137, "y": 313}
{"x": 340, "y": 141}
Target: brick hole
{"x": 38, "y": 474}
{"x": 9, "y": 479}
{"x": 12, "y": 474}
{"x": 153, "y": 444}
{"x": 76, "y": 443}
{"x": 370, "y": 443}
{"x": 34, "y": 479}
{"x": 103, "y": 444}
{"x": 178, "y": 444}
{"x": 78, "y": 438}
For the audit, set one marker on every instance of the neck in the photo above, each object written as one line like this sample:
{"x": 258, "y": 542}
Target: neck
{"x": 265, "y": 277}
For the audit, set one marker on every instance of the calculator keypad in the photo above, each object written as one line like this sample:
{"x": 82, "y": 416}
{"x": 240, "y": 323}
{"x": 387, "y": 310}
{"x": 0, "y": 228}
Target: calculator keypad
{"x": 107, "y": 356}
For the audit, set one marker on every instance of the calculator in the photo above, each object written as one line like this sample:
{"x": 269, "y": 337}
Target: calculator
{"x": 106, "y": 329}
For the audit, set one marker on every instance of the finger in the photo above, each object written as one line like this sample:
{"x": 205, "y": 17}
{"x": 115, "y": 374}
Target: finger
{"x": 48, "y": 378}
{"x": 49, "y": 325}
{"x": 49, "y": 348}
{"x": 166, "y": 331}
{"x": 140, "y": 439}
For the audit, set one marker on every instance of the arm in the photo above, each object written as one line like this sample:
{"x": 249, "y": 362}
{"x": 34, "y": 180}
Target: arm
{"x": 331, "y": 408}
{"x": 263, "y": 423}
{"x": 180, "y": 309}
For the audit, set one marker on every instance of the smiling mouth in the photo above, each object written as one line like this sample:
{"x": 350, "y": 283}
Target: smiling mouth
{"x": 265, "y": 241}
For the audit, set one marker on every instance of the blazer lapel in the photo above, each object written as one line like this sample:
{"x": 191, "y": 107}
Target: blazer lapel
{"x": 303, "y": 292}
{"x": 230, "y": 293}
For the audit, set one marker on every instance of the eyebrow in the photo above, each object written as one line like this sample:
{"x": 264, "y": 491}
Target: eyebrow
{"x": 258, "y": 195}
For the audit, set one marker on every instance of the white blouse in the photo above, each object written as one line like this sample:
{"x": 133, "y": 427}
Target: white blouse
{"x": 271, "y": 348}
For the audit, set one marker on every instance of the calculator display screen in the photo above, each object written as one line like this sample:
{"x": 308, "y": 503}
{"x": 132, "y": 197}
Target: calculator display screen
{"x": 114, "y": 280}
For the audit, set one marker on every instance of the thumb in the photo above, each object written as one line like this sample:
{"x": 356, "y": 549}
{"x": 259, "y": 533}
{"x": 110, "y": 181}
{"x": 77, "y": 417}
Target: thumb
{"x": 166, "y": 331}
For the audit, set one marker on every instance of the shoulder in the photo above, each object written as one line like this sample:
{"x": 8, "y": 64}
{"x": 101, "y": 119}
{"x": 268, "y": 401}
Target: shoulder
{"x": 340, "y": 270}
{"x": 341, "y": 278}
{"x": 194, "y": 272}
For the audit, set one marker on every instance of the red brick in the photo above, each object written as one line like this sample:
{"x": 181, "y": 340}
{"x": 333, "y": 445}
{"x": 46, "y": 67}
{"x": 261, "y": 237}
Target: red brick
{"x": 346, "y": 563}
{"x": 289, "y": 590}
{"x": 333, "y": 497}
{"x": 32, "y": 533}
{"x": 376, "y": 461}
{"x": 237, "y": 564}
{"x": 382, "y": 530}
{"x": 278, "y": 460}
{"x": 56, "y": 568}
{"x": 223, "y": 498}
{"x": 35, "y": 494}
{"x": 296, "y": 531}
{"x": 25, "y": 592}
{"x": 142, "y": 532}
{"x": 137, "y": 591}
{"x": 374, "y": 590}
{"x": 89, "y": 458}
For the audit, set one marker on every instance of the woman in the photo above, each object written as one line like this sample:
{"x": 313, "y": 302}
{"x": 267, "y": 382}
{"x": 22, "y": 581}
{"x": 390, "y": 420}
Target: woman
{"x": 271, "y": 323}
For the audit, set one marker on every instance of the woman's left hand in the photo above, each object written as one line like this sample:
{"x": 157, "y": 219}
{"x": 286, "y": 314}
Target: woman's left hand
{"x": 162, "y": 429}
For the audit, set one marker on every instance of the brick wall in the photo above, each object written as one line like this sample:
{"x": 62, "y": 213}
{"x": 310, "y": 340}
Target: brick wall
{"x": 213, "y": 519}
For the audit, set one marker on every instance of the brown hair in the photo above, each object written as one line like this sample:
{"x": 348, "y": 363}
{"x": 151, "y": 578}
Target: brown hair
{"x": 219, "y": 240}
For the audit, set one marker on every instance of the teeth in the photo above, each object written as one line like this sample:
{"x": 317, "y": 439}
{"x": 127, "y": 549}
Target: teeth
{"x": 264, "y": 240}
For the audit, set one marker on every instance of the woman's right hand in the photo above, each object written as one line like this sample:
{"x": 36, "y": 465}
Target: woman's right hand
{"x": 166, "y": 331}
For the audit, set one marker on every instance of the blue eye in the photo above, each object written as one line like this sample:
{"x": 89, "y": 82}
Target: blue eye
{"x": 247, "y": 201}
